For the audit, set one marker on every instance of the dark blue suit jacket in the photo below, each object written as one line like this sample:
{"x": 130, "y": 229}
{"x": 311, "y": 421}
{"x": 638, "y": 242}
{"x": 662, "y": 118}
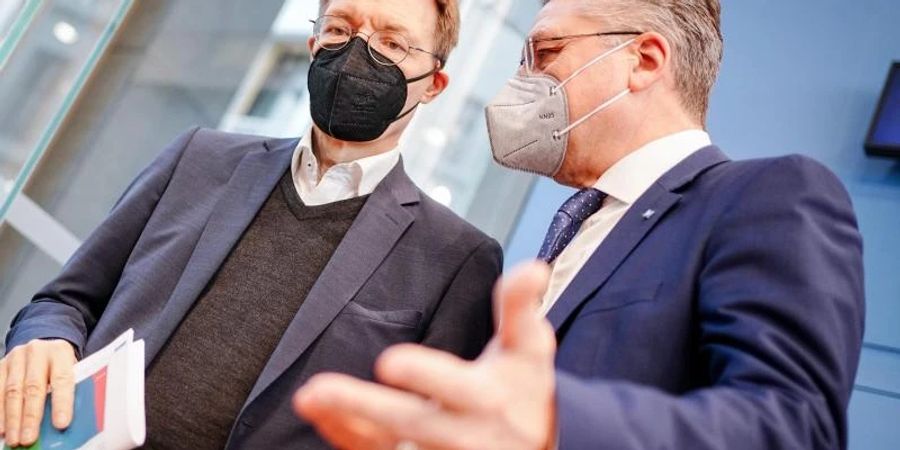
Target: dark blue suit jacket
{"x": 732, "y": 318}
{"x": 408, "y": 270}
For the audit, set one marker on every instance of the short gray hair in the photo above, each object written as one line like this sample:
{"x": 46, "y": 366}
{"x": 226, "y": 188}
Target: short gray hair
{"x": 693, "y": 29}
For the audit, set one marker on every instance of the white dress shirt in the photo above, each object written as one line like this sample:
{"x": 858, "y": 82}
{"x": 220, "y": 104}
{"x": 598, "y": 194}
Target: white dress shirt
{"x": 341, "y": 181}
{"x": 624, "y": 183}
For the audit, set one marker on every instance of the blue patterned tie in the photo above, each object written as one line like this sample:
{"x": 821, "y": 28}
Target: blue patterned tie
{"x": 568, "y": 220}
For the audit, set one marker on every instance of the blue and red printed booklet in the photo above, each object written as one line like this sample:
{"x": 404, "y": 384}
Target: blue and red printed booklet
{"x": 109, "y": 402}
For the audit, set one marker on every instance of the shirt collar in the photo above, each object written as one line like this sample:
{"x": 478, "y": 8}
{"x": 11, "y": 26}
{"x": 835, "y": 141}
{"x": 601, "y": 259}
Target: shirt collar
{"x": 364, "y": 174}
{"x": 628, "y": 179}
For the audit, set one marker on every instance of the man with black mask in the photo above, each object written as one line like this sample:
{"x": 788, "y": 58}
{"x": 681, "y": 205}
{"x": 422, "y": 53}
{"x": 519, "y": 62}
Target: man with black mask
{"x": 250, "y": 264}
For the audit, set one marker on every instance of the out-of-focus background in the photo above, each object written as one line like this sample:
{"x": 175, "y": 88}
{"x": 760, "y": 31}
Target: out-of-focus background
{"x": 92, "y": 90}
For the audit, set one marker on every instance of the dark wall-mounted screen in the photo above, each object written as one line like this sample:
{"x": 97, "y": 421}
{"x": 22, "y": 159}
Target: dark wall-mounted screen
{"x": 884, "y": 135}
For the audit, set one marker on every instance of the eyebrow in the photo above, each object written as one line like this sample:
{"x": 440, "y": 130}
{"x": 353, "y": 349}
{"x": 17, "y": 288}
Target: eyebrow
{"x": 544, "y": 33}
{"x": 389, "y": 25}
{"x": 340, "y": 12}
{"x": 380, "y": 23}
{"x": 392, "y": 26}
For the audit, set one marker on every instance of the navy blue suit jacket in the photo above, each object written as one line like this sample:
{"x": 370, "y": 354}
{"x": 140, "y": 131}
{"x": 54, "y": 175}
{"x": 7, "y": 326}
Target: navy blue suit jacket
{"x": 408, "y": 270}
{"x": 731, "y": 318}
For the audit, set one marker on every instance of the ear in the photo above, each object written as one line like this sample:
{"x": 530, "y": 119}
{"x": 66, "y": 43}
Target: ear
{"x": 440, "y": 80}
{"x": 654, "y": 56}
{"x": 311, "y": 45}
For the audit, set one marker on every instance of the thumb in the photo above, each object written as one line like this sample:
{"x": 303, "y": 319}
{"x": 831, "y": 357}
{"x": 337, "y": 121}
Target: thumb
{"x": 516, "y": 300}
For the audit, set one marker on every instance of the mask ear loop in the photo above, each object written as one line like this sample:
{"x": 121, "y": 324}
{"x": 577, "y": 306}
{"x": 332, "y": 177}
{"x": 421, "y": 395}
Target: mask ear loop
{"x": 559, "y": 134}
{"x": 413, "y": 80}
{"x": 408, "y": 111}
{"x": 422, "y": 77}
{"x": 554, "y": 90}
{"x": 595, "y": 61}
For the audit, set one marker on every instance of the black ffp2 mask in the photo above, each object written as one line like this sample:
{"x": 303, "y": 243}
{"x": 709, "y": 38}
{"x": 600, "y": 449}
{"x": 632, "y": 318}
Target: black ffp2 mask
{"x": 354, "y": 98}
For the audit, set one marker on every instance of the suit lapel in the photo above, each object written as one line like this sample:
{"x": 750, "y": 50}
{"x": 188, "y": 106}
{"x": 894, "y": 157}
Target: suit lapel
{"x": 376, "y": 230}
{"x": 246, "y": 192}
{"x": 649, "y": 210}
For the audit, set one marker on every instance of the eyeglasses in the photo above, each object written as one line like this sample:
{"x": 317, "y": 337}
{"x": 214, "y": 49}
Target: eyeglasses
{"x": 388, "y": 48}
{"x": 539, "y": 53}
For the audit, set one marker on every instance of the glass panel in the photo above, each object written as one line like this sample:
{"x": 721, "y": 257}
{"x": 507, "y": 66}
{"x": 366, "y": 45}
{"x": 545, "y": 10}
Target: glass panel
{"x": 15, "y": 15}
{"x": 277, "y": 106}
{"x": 447, "y": 149}
{"x": 49, "y": 52}
{"x": 174, "y": 64}
{"x": 23, "y": 271}
{"x": 286, "y": 85}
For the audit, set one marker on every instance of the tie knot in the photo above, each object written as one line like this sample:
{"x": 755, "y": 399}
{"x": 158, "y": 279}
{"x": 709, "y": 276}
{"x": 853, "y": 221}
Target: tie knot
{"x": 583, "y": 204}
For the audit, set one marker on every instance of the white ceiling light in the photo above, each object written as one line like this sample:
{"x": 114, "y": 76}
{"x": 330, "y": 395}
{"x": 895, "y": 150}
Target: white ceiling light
{"x": 436, "y": 137}
{"x": 442, "y": 195}
{"x": 65, "y": 33}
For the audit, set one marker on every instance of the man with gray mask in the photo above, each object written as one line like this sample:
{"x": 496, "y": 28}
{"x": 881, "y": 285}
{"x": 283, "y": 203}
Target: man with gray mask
{"x": 691, "y": 301}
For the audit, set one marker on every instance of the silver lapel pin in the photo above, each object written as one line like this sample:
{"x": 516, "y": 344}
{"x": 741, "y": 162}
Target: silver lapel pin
{"x": 649, "y": 214}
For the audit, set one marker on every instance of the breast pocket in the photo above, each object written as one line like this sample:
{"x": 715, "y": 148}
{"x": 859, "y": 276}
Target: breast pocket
{"x": 621, "y": 296}
{"x": 356, "y": 337}
{"x": 403, "y": 318}
{"x": 610, "y": 321}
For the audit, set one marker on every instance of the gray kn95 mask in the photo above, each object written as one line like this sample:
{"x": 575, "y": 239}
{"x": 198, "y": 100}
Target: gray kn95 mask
{"x": 528, "y": 121}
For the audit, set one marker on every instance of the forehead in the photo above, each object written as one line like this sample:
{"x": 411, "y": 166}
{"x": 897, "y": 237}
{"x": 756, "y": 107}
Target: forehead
{"x": 417, "y": 18}
{"x": 560, "y": 17}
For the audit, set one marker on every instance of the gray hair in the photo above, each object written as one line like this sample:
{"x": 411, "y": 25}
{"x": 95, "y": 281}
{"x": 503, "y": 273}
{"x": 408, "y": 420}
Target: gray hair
{"x": 693, "y": 29}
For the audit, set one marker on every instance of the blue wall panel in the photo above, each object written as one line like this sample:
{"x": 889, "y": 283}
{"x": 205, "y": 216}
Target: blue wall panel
{"x": 873, "y": 422}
